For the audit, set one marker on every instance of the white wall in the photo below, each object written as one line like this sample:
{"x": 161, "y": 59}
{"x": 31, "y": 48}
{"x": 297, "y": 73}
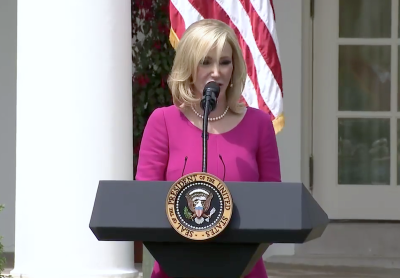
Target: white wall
{"x": 289, "y": 27}
{"x": 8, "y": 53}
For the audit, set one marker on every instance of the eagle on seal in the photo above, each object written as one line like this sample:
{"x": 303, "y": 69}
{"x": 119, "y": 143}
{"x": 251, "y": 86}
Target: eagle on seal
{"x": 199, "y": 202}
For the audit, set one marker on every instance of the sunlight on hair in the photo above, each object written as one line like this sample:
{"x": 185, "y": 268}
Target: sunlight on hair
{"x": 192, "y": 49}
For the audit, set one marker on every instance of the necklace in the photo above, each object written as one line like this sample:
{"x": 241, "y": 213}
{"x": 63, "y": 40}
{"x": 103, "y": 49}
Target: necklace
{"x": 211, "y": 119}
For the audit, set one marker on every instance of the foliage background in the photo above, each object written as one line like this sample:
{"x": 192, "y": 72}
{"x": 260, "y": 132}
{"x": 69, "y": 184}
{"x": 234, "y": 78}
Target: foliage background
{"x": 152, "y": 57}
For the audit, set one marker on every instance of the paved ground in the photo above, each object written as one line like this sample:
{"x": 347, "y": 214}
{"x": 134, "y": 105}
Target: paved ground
{"x": 295, "y": 271}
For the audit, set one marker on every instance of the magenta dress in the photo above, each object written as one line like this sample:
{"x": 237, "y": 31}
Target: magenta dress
{"x": 249, "y": 151}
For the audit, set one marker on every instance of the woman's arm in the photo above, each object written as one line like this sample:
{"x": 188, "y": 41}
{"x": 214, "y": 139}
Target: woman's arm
{"x": 153, "y": 152}
{"x": 268, "y": 155}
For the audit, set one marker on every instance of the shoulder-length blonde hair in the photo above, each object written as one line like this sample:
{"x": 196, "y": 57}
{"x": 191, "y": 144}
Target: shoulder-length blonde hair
{"x": 193, "y": 47}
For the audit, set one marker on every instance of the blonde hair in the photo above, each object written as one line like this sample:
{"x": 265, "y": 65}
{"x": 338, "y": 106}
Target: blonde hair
{"x": 193, "y": 47}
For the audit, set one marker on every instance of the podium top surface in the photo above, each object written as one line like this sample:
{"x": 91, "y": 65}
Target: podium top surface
{"x": 263, "y": 213}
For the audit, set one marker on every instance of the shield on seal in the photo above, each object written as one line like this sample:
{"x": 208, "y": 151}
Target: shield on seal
{"x": 199, "y": 209}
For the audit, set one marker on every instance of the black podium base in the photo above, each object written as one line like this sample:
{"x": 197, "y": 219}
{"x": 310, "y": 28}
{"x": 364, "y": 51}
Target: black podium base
{"x": 214, "y": 260}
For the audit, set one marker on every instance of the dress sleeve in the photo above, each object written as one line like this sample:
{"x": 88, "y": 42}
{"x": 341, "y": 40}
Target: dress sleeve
{"x": 268, "y": 155}
{"x": 153, "y": 152}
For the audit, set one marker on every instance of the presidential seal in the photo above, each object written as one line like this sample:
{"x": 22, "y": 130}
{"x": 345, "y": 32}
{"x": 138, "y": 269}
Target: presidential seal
{"x": 199, "y": 206}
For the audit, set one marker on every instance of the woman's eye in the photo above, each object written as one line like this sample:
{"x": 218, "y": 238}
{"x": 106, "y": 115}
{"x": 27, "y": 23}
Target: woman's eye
{"x": 226, "y": 62}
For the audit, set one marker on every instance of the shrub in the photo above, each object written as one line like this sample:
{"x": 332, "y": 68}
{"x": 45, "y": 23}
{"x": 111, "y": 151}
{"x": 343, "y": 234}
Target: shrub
{"x": 152, "y": 57}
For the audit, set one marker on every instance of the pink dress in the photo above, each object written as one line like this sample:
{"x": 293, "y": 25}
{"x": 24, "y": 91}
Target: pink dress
{"x": 249, "y": 151}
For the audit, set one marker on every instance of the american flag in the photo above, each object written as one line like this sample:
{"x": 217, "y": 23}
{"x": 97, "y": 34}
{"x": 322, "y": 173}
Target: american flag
{"x": 254, "y": 24}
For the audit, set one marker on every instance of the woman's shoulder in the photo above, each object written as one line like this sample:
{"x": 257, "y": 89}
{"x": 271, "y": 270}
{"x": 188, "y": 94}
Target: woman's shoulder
{"x": 167, "y": 120}
{"x": 165, "y": 112}
{"x": 258, "y": 116}
{"x": 165, "y": 117}
{"x": 259, "y": 122}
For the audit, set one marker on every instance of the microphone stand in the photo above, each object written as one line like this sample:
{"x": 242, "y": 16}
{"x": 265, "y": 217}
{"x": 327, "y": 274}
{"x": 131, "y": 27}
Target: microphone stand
{"x": 205, "y": 131}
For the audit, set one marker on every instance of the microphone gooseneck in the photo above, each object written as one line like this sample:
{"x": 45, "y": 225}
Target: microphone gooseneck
{"x": 184, "y": 166}
{"x": 223, "y": 163}
{"x": 208, "y": 103}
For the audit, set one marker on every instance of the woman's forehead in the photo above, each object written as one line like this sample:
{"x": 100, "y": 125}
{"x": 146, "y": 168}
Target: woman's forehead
{"x": 215, "y": 51}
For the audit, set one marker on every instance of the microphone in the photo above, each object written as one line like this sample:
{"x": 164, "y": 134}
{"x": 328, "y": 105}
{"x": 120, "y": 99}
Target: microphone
{"x": 210, "y": 94}
{"x": 208, "y": 103}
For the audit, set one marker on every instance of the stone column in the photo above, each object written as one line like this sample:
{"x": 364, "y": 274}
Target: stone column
{"x": 74, "y": 128}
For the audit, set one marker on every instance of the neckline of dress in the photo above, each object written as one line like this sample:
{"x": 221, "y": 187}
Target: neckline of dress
{"x": 214, "y": 134}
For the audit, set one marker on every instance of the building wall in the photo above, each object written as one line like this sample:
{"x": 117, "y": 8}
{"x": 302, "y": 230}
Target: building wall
{"x": 289, "y": 140}
{"x": 8, "y": 53}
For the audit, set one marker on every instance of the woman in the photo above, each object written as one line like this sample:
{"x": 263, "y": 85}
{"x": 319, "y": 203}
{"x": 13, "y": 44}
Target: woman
{"x": 243, "y": 137}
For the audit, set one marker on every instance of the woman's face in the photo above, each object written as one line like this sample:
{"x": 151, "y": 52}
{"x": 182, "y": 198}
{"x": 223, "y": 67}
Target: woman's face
{"x": 212, "y": 69}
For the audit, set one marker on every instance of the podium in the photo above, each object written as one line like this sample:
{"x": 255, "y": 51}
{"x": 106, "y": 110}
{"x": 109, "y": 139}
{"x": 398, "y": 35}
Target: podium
{"x": 263, "y": 213}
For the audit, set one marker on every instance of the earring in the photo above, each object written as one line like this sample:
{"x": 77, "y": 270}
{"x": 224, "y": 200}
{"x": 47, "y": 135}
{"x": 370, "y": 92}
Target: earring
{"x": 231, "y": 85}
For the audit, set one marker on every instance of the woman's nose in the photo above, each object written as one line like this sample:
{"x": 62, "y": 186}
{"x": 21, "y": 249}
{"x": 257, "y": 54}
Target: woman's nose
{"x": 215, "y": 70}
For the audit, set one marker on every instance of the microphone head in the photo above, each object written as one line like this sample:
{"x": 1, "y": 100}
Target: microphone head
{"x": 212, "y": 87}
